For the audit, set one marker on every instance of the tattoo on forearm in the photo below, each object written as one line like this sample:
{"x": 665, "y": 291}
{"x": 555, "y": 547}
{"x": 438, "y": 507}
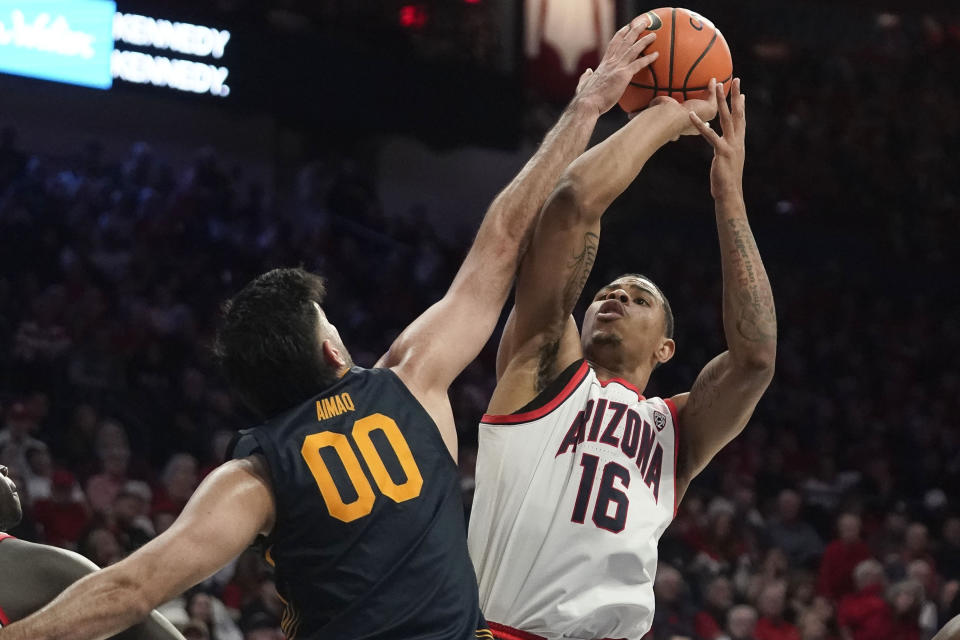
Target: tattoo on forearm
{"x": 579, "y": 268}
{"x": 756, "y": 319}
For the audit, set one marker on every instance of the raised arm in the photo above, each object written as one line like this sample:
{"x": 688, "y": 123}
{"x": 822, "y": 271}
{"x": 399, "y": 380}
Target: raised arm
{"x": 540, "y": 338}
{"x": 43, "y": 572}
{"x": 227, "y": 511}
{"x": 950, "y": 631}
{"x": 726, "y": 392}
{"x": 439, "y": 344}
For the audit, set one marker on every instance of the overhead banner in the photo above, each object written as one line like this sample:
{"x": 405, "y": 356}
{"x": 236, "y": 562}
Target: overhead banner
{"x": 67, "y": 41}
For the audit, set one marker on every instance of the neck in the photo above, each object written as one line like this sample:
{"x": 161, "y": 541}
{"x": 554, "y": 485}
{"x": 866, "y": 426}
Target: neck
{"x": 637, "y": 376}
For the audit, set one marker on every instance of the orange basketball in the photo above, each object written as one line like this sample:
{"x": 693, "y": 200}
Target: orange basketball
{"x": 692, "y": 51}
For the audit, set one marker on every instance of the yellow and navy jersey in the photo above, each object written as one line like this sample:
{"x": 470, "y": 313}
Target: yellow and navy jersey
{"x": 369, "y": 540}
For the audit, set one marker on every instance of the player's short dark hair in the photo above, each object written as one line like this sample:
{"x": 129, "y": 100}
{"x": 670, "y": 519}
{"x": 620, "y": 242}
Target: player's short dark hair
{"x": 667, "y": 310}
{"x": 268, "y": 344}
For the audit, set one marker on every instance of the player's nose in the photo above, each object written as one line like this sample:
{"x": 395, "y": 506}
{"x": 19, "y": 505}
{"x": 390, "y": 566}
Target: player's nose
{"x": 618, "y": 294}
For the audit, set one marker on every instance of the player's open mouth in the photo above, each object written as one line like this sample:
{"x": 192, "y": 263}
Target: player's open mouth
{"x": 610, "y": 310}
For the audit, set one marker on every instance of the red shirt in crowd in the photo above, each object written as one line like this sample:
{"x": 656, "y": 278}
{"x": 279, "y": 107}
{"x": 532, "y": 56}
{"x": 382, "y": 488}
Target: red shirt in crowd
{"x": 866, "y": 614}
{"x": 707, "y": 627}
{"x": 768, "y": 629}
{"x": 63, "y": 523}
{"x": 836, "y": 568}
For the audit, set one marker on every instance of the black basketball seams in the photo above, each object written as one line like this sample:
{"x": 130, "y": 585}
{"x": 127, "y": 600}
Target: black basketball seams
{"x": 697, "y": 61}
{"x": 679, "y": 89}
{"x": 673, "y": 39}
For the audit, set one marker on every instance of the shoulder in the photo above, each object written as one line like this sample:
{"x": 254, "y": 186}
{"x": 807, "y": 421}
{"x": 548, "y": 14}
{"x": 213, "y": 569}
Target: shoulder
{"x": 44, "y": 559}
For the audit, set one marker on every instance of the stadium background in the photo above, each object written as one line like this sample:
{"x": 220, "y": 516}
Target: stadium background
{"x": 364, "y": 140}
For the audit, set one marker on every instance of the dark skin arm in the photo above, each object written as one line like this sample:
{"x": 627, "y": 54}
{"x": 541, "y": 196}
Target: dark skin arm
{"x": 44, "y": 572}
{"x": 950, "y": 631}
{"x": 223, "y": 517}
{"x": 728, "y": 388}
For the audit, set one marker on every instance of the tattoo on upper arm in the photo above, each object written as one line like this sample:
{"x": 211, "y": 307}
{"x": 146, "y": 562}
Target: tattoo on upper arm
{"x": 756, "y": 319}
{"x": 546, "y": 364}
{"x": 705, "y": 391}
{"x": 578, "y": 269}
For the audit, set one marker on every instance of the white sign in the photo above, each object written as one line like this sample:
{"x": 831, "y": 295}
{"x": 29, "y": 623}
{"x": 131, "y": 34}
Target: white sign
{"x": 180, "y": 37}
{"x": 161, "y": 71}
{"x": 46, "y": 34}
{"x": 183, "y": 75}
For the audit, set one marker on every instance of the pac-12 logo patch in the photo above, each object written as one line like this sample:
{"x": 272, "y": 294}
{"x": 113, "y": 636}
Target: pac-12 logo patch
{"x": 659, "y": 420}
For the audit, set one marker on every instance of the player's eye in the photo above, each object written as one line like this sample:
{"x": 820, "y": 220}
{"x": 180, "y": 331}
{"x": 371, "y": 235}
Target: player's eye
{"x": 641, "y": 301}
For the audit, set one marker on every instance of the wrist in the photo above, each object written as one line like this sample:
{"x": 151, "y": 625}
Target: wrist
{"x": 585, "y": 107}
{"x": 728, "y": 192}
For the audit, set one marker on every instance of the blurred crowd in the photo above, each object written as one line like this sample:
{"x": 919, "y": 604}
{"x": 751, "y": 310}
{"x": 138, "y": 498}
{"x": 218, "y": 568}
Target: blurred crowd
{"x": 834, "y": 516}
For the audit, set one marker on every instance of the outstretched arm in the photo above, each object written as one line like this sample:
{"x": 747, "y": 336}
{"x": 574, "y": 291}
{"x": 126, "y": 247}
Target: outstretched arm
{"x": 438, "y": 345}
{"x": 227, "y": 511}
{"x": 541, "y": 339}
{"x": 950, "y": 631}
{"x": 726, "y": 392}
{"x": 43, "y": 572}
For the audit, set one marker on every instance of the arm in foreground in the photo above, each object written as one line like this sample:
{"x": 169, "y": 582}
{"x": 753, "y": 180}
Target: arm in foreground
{"x": 227, "y": 511}
{"x": 726, "y": 392}
{"x": 43, "y": 572}
{"x": 439, "y": 344}
{"x": 950, "y": 631}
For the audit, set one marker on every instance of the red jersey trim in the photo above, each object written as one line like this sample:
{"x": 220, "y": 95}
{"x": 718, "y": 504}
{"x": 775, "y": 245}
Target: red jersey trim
{"x": 503, "y": 632}
{"x": 529, "y": 416}
{"x": 4, "y": 620}
{"x": 4, "y": 536}
{"x": 676, "y": 451}
{"x": 623, "y": 383}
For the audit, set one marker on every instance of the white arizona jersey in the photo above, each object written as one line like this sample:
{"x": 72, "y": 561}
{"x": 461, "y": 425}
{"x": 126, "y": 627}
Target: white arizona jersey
{"x": 573, "y": 493}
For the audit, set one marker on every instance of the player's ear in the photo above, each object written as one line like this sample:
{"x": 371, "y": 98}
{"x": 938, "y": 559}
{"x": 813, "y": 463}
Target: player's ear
{"x": 666, "y": 350}
{"x": 332, "y": 355}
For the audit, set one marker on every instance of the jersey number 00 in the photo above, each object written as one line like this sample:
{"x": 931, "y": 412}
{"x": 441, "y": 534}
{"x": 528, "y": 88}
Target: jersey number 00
{"x": 362, "y": 428}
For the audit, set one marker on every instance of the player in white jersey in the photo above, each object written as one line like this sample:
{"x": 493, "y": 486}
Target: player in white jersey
{"x": 577, "y": 473}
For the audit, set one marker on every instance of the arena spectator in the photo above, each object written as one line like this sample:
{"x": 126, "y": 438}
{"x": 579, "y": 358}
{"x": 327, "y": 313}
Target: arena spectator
{"x": 812, "y": 626}
{"x": 905, "y": 599}
{"x": 718, "y": 598}
{"x": 916, "y": 547}
{"x": 211, "y": 611}
{"x": 101, "y": 546}
{"x": 39, "y": 472}
{"x": 63, "y": 516}
{"x": 129, "y": 516}
{"x": 771, "y": 606}
{"x": 179, "y": 480}
{"x": 742, "y": 623}
{"x": 103, "y": 488}
{"x": 865, "y": 614}
{"x": 16, "y": 437}
{"x": 674, "y": 615}
{"x": 788, "y": 531}
{"x": 841, "y": 557}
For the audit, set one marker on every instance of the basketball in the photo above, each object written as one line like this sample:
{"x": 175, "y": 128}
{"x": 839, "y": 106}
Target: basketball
{"x": 692, "y": 50}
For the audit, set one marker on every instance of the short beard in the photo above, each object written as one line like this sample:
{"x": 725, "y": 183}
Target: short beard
{"x": 607, "y": 338}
